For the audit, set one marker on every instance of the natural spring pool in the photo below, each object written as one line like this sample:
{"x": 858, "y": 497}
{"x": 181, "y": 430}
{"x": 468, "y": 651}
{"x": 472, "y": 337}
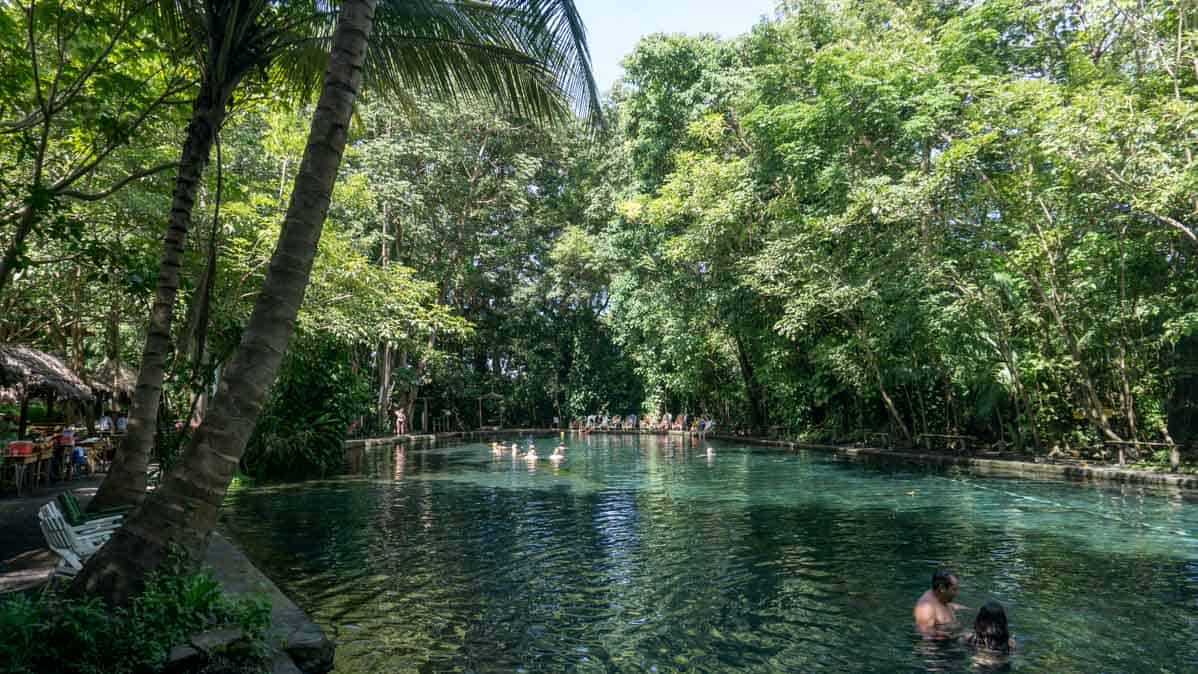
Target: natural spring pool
{"x": 646, "y": 554}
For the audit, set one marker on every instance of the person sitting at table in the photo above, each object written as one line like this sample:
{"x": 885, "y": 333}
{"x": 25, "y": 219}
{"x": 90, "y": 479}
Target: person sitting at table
{"x": 104, "y": 425}
{"x": 78, "y": 460}
{"x": 122, "y": 423}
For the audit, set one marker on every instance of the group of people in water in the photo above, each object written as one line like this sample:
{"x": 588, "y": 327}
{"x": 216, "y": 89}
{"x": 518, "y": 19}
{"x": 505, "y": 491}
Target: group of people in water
{"x": 935, "y": 611}
{"x": 500, "y": 449}
{"x": 936, "y": 616}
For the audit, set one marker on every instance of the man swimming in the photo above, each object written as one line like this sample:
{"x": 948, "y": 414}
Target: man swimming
{"x": 935, "y": 607}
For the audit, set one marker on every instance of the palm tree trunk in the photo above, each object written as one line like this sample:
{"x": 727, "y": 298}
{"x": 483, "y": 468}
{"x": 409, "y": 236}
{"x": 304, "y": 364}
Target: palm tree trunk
{"x": 184, "y": 510}
{"x": 125, "y": 483}
{"x": 752, "y": 388}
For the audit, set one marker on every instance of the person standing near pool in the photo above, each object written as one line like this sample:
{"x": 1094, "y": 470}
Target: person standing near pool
{"x": 401, "y": 421}
{"x": 935, "y": 607}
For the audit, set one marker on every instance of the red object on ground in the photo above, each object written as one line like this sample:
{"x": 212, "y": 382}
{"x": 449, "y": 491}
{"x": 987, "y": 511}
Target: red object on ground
{"x": 20, "y": 448}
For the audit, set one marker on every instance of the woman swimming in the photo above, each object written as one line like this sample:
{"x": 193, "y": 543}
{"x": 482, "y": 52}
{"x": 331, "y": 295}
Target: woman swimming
{"x": 990, "y": 636}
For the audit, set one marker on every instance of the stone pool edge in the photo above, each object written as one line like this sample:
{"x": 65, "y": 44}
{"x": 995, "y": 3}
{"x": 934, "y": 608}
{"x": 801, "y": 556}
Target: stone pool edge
{"x": 1009, "y": 467}
{"x": 296, "y": 643}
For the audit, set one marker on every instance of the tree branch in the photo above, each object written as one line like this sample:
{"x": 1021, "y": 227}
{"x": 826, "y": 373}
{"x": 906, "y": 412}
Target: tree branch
{"x": 96, "y": 196}
{"x": 1172, "y": 222}
{"x": 47, "y": 108}
{"x": 88, "y": 166}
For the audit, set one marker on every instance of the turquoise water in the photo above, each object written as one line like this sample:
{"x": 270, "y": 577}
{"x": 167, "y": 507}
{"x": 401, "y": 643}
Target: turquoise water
{"x": 646, "y": 554}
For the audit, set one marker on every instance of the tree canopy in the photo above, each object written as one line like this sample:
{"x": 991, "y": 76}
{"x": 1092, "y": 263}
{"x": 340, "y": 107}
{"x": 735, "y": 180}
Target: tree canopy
{"x": 917, "y": 218}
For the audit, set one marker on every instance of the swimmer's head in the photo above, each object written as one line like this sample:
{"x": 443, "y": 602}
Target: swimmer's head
{"x": 990, "y": 628}
{"x": 945, "y": 585}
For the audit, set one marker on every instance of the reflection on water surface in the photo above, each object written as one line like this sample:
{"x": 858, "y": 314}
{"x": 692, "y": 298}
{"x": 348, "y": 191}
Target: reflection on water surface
{"x": 638, "y": 554}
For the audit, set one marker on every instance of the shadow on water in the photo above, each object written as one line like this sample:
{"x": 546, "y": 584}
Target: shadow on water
{"x": 639, "y": 556}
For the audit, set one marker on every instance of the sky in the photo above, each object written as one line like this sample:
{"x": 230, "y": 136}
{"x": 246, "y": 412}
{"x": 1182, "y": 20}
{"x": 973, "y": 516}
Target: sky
{"x": 614, "y": 26}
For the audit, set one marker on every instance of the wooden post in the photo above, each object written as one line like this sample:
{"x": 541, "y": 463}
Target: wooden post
{"x": 24, "y": 420}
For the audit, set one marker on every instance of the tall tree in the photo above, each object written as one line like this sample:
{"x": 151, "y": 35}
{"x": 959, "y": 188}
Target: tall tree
{"x": 229, "y": 40}
{"x": 438, "y": 47}
{"x": 549, "y": 39}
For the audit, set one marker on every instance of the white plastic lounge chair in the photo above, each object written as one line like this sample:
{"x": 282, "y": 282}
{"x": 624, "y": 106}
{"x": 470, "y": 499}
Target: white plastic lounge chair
{"x": 73, "y": 544}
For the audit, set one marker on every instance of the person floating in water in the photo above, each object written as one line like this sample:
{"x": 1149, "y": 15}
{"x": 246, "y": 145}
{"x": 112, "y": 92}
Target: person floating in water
{"x": 990, "y": 636}
{"x": 558, "y": 453}
{"x": 935, "y": 607}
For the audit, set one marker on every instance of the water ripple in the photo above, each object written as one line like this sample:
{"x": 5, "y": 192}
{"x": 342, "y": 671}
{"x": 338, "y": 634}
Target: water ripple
{"x": 644, "y": 555}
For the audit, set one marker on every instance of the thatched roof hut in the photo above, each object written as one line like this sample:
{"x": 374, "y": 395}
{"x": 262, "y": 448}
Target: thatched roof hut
{"x": 113, "y": 378}
{"x": 32, "y": 372}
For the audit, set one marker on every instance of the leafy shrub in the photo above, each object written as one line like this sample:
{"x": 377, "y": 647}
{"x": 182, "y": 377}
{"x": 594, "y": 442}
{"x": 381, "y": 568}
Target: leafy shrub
{"x": 56, "y": 633}
{"x": 311, "y": 449}
{"x": 301, "y": 430}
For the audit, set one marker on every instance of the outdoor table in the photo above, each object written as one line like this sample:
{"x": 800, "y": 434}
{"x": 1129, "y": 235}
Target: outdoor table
{"x": 102, "y": 450}
{"x": 19, "y": 465}
{"x": 41, "y": 464}
{"x": 91, "y": 449}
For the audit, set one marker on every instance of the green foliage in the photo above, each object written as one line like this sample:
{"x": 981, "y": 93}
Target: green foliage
{"x": 81, "y": 85}
{"x": 302, "y": 427}
{"x": 57, "y": 633}
{"x": 921, "y": 217}
{"x": 976, "y": 219}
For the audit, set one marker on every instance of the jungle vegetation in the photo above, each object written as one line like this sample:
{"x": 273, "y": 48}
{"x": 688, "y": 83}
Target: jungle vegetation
{"x": 910, "y": 217}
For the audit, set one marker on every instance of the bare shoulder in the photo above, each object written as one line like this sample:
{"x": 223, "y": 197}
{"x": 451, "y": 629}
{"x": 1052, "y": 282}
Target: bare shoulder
{"x": 925, "y": 613}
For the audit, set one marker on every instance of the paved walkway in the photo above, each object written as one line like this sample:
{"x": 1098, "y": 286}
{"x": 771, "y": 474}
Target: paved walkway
{"x": 25, "y": 561}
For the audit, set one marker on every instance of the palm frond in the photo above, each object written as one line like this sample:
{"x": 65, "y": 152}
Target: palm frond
{"x": 564, "y": 51}
{"x": 526, "y": 56}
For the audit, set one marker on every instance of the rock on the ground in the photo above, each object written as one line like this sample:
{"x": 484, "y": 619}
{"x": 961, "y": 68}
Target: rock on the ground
{"x": 184, "y": 658}
{"x": 216, "y": 641}
{"x": 290, "y": 631}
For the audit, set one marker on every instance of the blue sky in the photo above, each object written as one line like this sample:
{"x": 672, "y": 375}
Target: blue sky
{"x": 614, "y": 26}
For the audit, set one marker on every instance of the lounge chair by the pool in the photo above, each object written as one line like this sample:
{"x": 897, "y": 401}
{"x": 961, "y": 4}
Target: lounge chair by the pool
{"x": 73, "y": 544}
